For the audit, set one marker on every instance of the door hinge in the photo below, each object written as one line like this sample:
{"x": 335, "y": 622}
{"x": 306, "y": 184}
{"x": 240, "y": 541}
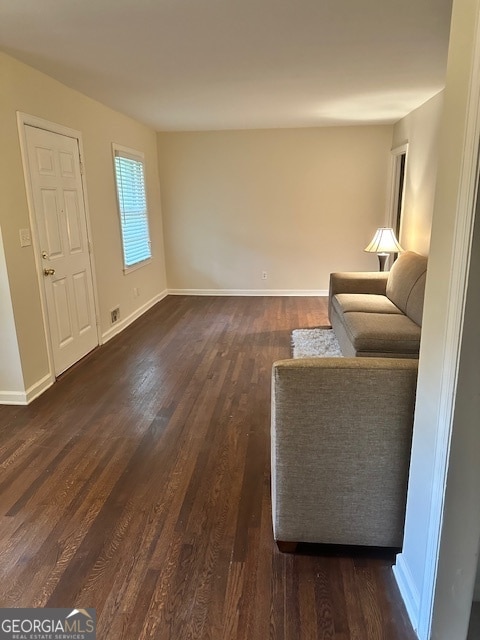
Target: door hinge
{"x": 82, "y": 170}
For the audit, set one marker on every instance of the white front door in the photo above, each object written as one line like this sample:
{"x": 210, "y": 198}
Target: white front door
{"x": 56, "y": 187}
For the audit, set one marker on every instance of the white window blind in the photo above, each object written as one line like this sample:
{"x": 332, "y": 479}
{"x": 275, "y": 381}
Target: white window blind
{"x": 132, "y": 204}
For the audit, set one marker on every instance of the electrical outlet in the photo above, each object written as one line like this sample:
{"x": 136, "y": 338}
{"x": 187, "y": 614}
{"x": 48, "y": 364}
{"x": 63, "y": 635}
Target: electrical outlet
{"x": 264, "y": 275}
{"x": 136, "y": 292}
{"x": 115, "y": 315}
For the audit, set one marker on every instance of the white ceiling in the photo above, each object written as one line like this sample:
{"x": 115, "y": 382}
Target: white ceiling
{"x": 234, "y": 64}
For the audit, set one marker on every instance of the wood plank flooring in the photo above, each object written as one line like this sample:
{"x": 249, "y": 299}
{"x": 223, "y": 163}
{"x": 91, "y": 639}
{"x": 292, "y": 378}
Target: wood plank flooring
{"x": 139, "y": 485}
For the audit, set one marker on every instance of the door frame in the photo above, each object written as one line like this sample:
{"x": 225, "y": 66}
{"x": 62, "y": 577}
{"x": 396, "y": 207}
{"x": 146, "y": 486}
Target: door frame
{"x": 396, "y": 153}
{"x": 23, "y": 120}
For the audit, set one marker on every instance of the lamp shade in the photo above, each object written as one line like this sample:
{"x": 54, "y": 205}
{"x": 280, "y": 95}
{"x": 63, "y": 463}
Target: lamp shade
{"x": 384, "y": 241}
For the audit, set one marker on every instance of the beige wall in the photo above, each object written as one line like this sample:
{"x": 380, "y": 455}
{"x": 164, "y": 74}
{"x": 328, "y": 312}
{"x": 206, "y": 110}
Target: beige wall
{"x": 297, "y": 203}
{"x": 420, "y": 129}
{"x": 11, "y": 379}
{"x": 26, "y": 90}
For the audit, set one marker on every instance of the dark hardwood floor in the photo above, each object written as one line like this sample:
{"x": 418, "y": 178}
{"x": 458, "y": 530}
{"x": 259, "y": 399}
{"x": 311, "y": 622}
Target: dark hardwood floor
{"x": 139, "y": 485}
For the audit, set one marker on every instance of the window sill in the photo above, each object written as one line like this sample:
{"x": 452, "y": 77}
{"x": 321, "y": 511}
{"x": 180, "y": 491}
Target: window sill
{"x": 138, "y": 265}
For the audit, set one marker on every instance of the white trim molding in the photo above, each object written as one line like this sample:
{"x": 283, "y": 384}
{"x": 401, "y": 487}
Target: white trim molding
{"x": 462, "y": 245}
{"x": 248, "y": 292}
{"x": 13, "y": 397}
{"x": 406, "y": 585}
{"x": 421, "y": 613}
{"x": 119, "y": 326}
{"x": 39, "y": 387}
{"x": 26, "y": 397}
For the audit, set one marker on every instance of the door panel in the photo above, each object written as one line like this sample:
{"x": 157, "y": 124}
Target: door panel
{"x": 67, "y": 165}
{"x": 62, "y": 230}
{"x": 45, "y": 161}
{"x": 50, "y": 211}
{"x": 82, "y": 306}
{"x": 73, "y": 219}
{"x": 62, "y": 311}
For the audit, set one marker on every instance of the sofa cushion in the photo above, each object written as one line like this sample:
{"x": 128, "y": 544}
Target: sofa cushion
{"x": 367, "y": 302}
{"x": 381, "y": 332}
{"x": 406, "y": 284}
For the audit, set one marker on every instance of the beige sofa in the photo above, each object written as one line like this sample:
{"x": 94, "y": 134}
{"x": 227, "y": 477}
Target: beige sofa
{"x": 380, "y": 313}
{"x": 340, "y": 445}
{"x": 342, "y": 427}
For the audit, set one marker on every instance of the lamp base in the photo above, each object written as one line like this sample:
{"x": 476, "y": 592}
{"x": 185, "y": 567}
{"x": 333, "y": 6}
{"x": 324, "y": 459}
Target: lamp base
{"x": 382, "y": 259}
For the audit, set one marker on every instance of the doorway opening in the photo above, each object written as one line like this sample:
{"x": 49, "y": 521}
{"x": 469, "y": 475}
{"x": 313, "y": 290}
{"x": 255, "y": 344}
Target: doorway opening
{"x": 397, "y": 196}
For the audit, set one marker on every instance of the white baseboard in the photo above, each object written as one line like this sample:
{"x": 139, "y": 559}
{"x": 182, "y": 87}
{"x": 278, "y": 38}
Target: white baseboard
{"x": 408, "y": 590}
{"x": 13, "y": 397}
{"x": 248, "y": 292}
{"x": 25, "y": 397}
{"x": 123, "y": 324}
{"x": 39, "y": 387}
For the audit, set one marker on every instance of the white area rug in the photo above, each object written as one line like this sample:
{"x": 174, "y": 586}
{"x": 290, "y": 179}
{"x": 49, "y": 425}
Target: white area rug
{"x": 315, "y": 343}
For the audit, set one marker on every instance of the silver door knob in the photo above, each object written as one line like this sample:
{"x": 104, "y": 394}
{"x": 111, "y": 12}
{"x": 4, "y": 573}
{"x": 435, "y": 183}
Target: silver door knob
{"x": 48, "y": 272}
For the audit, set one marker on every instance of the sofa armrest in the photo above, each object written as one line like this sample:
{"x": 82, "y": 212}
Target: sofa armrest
{"x": 356, "y": 282}
{"x": 359, "y": 282}
{"x": 341, "y": 436}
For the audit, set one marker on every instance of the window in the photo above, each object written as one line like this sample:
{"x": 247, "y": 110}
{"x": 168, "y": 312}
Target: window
{"x": 132, "y": 205}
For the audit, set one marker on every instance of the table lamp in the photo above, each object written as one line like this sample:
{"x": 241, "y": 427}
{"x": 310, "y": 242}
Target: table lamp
{"x": 383, "y": 244}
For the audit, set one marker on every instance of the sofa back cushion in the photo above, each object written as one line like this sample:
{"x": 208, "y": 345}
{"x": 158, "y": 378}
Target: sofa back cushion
{"x": 406, "y": 284}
